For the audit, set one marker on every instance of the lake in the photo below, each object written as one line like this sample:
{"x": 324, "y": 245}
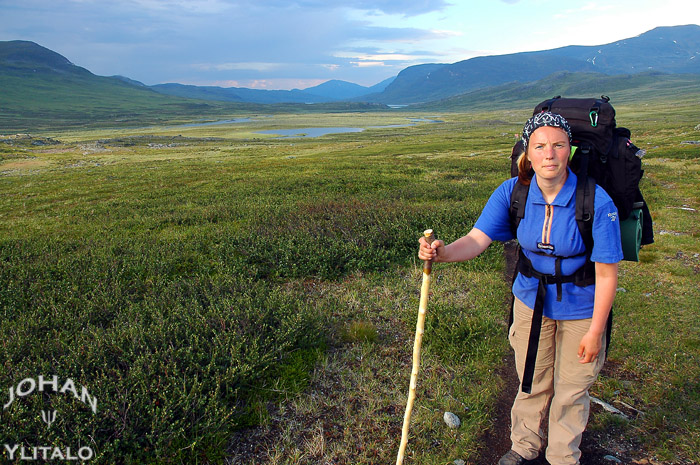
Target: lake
{"x": 215, "y": 123}
{"x": 318, "y": 132}
{"x": 306, "y": 132}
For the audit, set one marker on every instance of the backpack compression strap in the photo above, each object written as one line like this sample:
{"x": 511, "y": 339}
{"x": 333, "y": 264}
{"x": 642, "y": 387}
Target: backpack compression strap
{"x": 585, "y": 203}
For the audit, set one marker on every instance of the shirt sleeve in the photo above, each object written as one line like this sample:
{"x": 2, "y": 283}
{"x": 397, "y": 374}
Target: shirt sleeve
{"x": 607, "y": 245}
{"x": 494, "y": 220}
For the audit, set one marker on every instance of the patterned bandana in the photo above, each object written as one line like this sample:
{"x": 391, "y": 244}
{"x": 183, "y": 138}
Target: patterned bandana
{"x": 544, "y": 119}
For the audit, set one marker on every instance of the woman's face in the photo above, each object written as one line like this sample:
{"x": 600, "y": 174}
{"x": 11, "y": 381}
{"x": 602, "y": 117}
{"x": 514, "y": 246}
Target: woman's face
{"x": 548, "y": 152}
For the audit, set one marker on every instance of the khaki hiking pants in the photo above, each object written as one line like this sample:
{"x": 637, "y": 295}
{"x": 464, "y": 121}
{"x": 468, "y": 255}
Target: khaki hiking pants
{"x": 559, "y": 388}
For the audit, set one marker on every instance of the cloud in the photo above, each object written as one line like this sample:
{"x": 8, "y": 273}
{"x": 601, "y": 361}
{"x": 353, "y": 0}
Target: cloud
{"x": 206, "y": 41}
{"x": 587, "y": 7}
{"x": 397, "y": 7}
{"x": 271, "y": 84}
{"x": 401, "y": 7}
{"x": 191, "y": 6}
{"x": 368, "y": 64}
{"x": 392, "y": 34}
{"x": 262, "y": 67}
{"x": 382, "y": 56}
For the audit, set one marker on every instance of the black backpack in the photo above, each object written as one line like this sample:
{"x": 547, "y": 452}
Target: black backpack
{"x": 604, "y": 156}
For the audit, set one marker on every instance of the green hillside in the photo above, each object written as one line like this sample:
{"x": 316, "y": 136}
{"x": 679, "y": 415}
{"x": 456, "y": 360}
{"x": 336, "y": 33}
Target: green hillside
{"x": 49, "y": 100}
{"x": 622, "y": 89}
{"x": 71, "y": 100}
{"x": 41, "y": 88}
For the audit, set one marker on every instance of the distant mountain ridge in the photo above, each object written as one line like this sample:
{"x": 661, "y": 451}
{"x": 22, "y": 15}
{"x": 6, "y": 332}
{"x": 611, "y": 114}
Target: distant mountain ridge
{"x": 342, "y": 90}
{"x": 329, "y": 91}
{"x": 665, "y": 49}
{"x": 236, "y": 94}
{"x": 622, "y": 89}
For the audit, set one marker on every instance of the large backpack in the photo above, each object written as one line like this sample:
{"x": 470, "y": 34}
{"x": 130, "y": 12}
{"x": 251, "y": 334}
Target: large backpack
{"x": 605, "y": 156}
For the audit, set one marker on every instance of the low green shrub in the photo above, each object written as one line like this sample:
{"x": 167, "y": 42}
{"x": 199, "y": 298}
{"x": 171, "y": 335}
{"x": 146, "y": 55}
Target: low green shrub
{"x": 171, "y": 359}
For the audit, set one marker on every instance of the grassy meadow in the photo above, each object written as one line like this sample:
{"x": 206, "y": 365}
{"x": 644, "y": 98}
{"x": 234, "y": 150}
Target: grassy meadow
{"x": 232, "y": 297}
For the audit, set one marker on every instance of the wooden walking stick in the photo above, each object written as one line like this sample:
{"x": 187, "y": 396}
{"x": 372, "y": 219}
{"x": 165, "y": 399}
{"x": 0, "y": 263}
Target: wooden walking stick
{"x": 423, "y": 306}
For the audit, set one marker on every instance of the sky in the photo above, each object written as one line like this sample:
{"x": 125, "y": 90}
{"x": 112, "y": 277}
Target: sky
{"x": 278, "y": 44}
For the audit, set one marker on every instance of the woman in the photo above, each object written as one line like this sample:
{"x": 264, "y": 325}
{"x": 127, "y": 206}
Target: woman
{"x": 570, "y": 352}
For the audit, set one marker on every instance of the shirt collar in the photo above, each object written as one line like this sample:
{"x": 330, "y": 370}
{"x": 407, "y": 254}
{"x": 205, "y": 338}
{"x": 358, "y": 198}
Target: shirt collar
{"x": 563, "y": 197}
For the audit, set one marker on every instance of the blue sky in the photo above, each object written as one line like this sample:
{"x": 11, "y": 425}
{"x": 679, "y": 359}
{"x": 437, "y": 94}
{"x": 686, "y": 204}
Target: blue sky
{"x": 277, "y": 44}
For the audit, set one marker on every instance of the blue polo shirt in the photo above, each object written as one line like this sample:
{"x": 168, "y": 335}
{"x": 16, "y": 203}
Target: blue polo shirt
{"x": 552, "y": 229}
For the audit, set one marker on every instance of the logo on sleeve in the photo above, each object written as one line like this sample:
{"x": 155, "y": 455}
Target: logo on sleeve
{"x": 612, "y": 216}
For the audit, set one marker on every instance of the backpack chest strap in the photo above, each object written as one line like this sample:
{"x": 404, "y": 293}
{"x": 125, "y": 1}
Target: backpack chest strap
{"x": 584, "y": 276}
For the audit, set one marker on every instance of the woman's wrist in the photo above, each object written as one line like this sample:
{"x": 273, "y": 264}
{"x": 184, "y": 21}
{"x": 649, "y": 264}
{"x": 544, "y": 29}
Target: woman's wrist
{"x": 596, "y": 329}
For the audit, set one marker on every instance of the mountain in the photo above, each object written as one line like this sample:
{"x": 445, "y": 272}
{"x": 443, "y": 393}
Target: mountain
{"x": 337, "y": 90}
{"x": 18, "y": 56}
{"x": 238, "y": 94}
{"x": 665, "y": 49}
{"x": 41, "y": 89}
{"x": 622, "y": 89}
{"x": 343, "y": 90}
{"x": 130, "y": 81}
{"x": 329, "y": 91}
{"x": 381, "y": 86}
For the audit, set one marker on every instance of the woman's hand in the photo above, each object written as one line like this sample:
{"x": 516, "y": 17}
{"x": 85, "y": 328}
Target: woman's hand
{"x": 430, "y": 252}
{"x": 590, "y": 347}
{"x": 464, "y": 248}
{"x": 605, "y": 287}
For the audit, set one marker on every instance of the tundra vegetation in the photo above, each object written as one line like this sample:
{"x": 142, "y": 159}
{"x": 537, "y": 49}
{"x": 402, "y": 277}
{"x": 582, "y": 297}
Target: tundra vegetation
{"x": 231, "y": 297}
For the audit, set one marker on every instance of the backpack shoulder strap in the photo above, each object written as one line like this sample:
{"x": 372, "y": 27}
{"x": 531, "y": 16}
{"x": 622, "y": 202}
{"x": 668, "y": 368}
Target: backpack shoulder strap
{"x": 585, "y": 209}
{"x": 518, "y": 198}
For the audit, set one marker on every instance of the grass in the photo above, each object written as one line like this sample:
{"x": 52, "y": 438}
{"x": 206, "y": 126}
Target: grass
{"x": 229, "y": 296}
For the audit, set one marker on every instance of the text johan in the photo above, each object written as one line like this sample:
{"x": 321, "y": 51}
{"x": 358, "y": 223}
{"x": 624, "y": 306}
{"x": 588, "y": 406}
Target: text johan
{"x": 29, "y": 385}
